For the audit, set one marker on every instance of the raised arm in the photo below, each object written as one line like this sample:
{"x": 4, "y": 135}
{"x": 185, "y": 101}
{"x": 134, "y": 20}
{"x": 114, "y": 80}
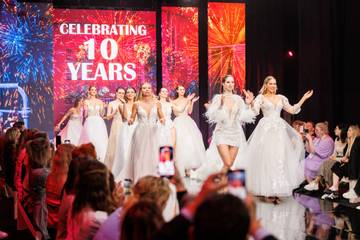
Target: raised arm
{"x": 295, "y": 109}
{"x": 68, "y": 114}
{"x": 191, "y": 105}
{"x": 160, "y": 112}
{"x": 256, "y": 105}
{"x": 215, "y": 112}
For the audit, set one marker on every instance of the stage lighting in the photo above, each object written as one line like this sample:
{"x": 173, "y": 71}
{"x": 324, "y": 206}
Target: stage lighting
{"x": 290, "y": 53}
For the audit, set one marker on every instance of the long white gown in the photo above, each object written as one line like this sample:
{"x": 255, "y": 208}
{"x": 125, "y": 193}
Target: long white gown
{"x": 189, "y": 149}
{"x": 72, "y": 130}
{"x": 123, "y": 146}
{"x": 166, "y": 129}
{"x": 275, "y": 151}
{"x": 115, "y": 129}
{"x": 95, "y": 131}
{"x": 228, "y": 131}
{"x": 144, "y": 147}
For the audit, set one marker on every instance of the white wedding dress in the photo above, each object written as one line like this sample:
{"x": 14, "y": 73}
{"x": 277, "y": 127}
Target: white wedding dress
{"x": 189, "y": 149}
{"x": 275, "y": 151}
{"x": 116, "y": 128}
{"x": 123, "y": 146}
{"x": 72, "y": 130}
{"x": 228, "y": 131}
{"x": 143, "y": 157}
{"x": 166, "y": 129}
{"x": 95, "y": 131}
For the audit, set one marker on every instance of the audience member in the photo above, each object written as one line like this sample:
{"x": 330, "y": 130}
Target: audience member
{"x": 320, "y": 148}
{"x": 341, "y": 169}
{"x": 55, "y": 182}
{"x": 150, "y": 188}
{"x": 93, "y": 201}
{"x": 141, "y": 221}
{"x": 325, "y": 174}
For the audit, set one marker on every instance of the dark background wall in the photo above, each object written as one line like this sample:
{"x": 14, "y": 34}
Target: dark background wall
{"x": 324, "y": 36}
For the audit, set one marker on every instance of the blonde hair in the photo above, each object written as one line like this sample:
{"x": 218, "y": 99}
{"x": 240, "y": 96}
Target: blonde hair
{"x": 324, "y": 126}
{"x": 140, "y": 95}
{"x": 152, "y": 188}
{"x": 263, "y": 89}
{"x": 356, "y": 130}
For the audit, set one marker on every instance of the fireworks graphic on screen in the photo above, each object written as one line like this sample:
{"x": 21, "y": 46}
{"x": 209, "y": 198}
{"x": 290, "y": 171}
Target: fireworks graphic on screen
{"x": 226, "y": 38}
{"x": 26, "y": 54}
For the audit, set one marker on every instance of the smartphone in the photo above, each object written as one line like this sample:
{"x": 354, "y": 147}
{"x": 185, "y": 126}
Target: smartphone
{"x": 166, "y": 167}
{"x": 301, "y": 129}
{"x": 237, "y": 183}
{"x": 57, "y": 140}
{"x": 127, "y": 185}
{"x": 306, "y": 131}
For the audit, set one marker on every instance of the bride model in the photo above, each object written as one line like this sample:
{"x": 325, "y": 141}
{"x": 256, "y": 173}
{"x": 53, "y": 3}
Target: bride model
{"x": 275, "y": 150}
{"x": 124, "y": 136}
{"x": 114, "y": 112}
{"x": 229, "y": 112}
{"x": 167, "y": 130}
{"x": 189, "y": 149}
{"x": 94, "y": 130}
{"x": 144, "y": 148}
{"x": 72, "y": 131}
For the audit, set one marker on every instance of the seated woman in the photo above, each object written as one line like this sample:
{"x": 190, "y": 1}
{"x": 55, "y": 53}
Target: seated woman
{"x": 341, "y": 169}
{"x": 320, "y": 148}
{"x": 325, "y": 174}
{"x": 354, "y": 166}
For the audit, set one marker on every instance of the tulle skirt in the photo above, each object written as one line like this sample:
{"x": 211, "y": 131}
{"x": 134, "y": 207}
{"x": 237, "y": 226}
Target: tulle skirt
{"x": 144, "y": 153}
{"x": 275, "y": 157}
{"x": 122, "y": 150}
{"x": 115, "y": 129}
{"x": 190, "y": 149}
{"x": 95, "y": 131}
{"x": 72, "y": 131}
{"x": 214, "y": 163}
{"x": 166, "y": 133}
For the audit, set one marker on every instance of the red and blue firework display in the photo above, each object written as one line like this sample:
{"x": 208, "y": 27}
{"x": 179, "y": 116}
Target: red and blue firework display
{"x": 26, "y": 64}
{"x": 180, "y": 54}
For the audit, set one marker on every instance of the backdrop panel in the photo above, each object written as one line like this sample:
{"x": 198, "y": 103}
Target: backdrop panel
{"x": 226, "y": 44}
{"x": 26, "y": 65}
{"x": 105, "y": 48}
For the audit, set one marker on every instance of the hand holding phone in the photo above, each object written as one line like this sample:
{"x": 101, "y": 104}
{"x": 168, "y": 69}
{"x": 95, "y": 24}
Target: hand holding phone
{"x": 166, "y": 167}
{"x": 237, "y": 183}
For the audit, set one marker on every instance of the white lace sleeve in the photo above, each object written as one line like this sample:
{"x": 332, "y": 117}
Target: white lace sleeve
{"x": 292, "y": 109}
{"x": 215, "y": 112}
{"x": 246, "y": 114}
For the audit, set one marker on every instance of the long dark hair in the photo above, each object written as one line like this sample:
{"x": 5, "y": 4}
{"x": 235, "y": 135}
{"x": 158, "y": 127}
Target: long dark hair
{"x": 343, "y": 132}
{"x": 177, "y": 88}
{"x": 141, "y": 221}
{"x": 127, "y": 89}
{"x": 223, "y": 81}
{"x": 93, "y": 188}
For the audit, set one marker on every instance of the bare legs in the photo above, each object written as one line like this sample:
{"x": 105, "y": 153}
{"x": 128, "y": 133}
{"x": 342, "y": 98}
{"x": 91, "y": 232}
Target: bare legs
{"x": 228, "y": 155}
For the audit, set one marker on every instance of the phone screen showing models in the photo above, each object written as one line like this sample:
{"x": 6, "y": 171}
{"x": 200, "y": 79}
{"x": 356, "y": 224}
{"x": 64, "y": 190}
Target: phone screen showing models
{"x": 166, "y": 161}
{"x": 237, "y": 183}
